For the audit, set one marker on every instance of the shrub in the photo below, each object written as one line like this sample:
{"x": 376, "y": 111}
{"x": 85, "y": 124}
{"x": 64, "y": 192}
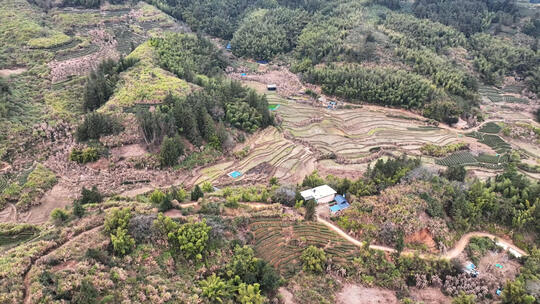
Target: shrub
{"x": 196, "y": 193}
{"x": 249, "y": 294}
{"x": 117, "y": 218}
{"x": 95, "y": 125}
{"x": 59, "y": 215}
{"x": 87, "y": 293}
{"x": 161, "y": 200}
{"x": 177, "y": 194}
{"x": 207, "y": 187}
{"x": 215, "y": 289}
{"x": 78, "y": 209}
{"x": 84, "y": 156}
{"x": 90, "y": 196}
{"x": 313, "y": 259}
{"x": 122, "y": 242}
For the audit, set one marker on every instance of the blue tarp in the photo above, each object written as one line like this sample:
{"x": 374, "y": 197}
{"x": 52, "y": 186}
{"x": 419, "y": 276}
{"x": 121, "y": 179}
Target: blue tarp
{"x": 228, "y": 46}
{"x": 340, "y": 199}
{"x": 235, "y": 174}
{"x": 339, "y": 207}
{"x": 243, "y": 74}
{"x": 262, "y": 61}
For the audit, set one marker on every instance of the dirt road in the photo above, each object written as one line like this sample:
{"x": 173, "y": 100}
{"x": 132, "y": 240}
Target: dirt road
{"x": 450, "y": 254}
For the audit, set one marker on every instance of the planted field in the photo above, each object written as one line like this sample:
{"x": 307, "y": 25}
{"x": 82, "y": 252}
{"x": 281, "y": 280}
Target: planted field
{"x": 494, "y": 141}
{"x": 457, "y": 159}
{"x": 490, "y": 127}
{"x": 281, "y": 243}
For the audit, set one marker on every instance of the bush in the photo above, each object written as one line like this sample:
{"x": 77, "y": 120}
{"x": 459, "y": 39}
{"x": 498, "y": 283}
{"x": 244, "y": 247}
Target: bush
{"x": 161, "y": 201}
{"x": 96, "y": 125}
{"x": 59, "y": 215}
{"x": 90, "y": 196}
{"x": 117, "y": 218}
{"x": 122, "y": 242}
{"x": 84, "y": 156}
{"x": 78, "y": 209}
{"x": 313, "y": 259}
{"x": 87, "y": 293}
{"x": 215, "y": 289}
{"x": 207, "y": 187}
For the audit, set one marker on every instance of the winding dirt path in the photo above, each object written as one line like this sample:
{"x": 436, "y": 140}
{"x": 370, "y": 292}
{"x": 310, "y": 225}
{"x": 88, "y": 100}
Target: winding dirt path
{"x": 450, "y": 254}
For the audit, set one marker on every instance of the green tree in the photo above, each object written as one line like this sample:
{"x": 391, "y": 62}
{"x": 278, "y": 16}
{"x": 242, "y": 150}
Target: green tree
{"x": 171, "y": 150}
{"x": 515, "y": 293}
{"x": 192, "y": 239}
{"x": 196, "y": 193}
{"x": 117, "y": 218}
{"x": 249, "y": 294}
{"x": 214, "y": 289}
{"x": 313, "y": 259}
{"x": 313, "y": 180}
{"x": 122, "y": 242}
{"x": 310, "y": 210}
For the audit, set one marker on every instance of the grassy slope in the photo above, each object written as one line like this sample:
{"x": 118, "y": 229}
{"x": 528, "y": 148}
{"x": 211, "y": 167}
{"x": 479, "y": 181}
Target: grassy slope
{"x": 145, "y": 82}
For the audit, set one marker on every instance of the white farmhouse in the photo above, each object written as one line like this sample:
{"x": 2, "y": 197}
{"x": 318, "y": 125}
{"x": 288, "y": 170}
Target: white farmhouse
{"x": 322, "y": 194}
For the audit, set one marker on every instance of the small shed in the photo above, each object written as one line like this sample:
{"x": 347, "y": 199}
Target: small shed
{"x": 322, "y": 194}
{"x": 271, "y": 87}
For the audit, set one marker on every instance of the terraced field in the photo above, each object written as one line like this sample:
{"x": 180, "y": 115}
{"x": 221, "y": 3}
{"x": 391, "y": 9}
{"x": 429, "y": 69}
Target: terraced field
{"x": 270, "y": 154}
{"x": 281, "y": 243}
{"x": 351, "y": 134}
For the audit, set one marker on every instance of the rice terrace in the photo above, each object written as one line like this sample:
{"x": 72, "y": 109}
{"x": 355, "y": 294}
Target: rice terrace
{"x": 270, "y": 152}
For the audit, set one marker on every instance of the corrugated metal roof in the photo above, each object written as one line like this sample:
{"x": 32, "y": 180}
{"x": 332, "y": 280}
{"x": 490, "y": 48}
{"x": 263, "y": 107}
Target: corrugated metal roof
{"x": 318, "y": 192}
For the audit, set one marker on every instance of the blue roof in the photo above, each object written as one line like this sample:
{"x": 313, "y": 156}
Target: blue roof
{"x": 228, "y": 46}
{"x": 339, "y": 207}
{"x": 340, "y": 199}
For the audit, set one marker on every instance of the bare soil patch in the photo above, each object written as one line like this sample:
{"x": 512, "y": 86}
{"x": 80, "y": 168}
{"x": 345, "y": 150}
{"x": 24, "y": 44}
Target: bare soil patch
{"x": 10, "y": 72}
{"x": 429, "y": 295}
{"x": 129, "y": 151}
{"x": 58, "y": 197}
{"x": 365, "y": 295}
{"x": 286, "y": 295}
{"x": 488, "y": 270}
{"x": 424, "y": 237}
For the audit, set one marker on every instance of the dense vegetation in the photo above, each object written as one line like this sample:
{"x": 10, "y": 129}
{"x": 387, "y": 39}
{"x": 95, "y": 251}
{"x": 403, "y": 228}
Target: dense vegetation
{"x": 188, "y": 56}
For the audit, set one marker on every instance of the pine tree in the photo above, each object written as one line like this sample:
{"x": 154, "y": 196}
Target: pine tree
{"x": 196, "y": 193}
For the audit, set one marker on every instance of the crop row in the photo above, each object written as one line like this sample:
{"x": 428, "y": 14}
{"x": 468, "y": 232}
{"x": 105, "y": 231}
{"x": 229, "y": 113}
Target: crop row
{"x": 490, "y": 127}
{"x": 457, "y": 159}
